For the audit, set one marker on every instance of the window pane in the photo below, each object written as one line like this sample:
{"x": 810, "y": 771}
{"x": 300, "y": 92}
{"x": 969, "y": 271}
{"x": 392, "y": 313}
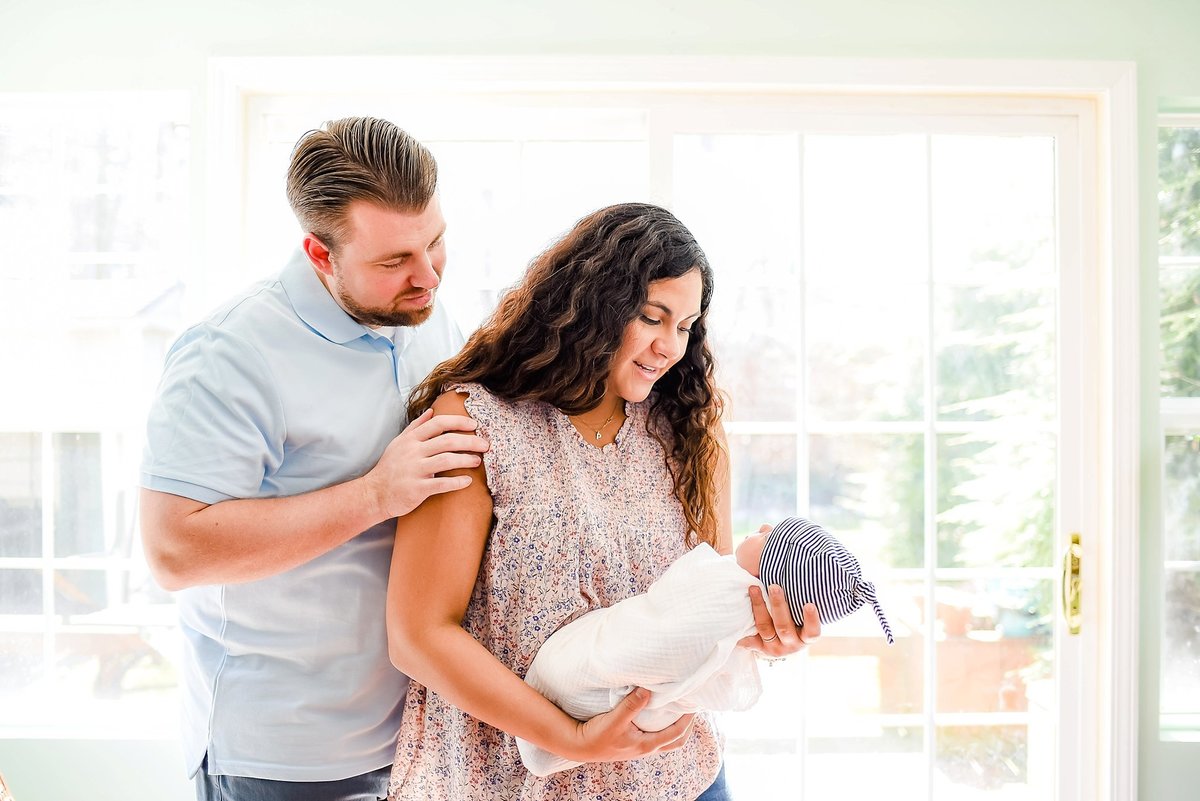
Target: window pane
{"x": 19, "y": 215}
{"x": 869, "y": 490}
{"x": 106, "y": 666}
{"x": 22, "y": 662}
{"x": 601, "y": 173}
{"x": 996, "y": 353}
{"x": 865, "y": 701}
{"x": 20, "y": 495}
{"x": 755, "y": 335}
{"x": 1179, "y": 191}
{"x": 506, "y": 201}
{"x": 112, "y": 683}
{"x": 1001, "y": 762}
{"x": 740, "y": 195}
{"x": 479, "y": 188}
{"x": 838, "y": 768}
{"x": 995, "y": 638}
{"x": 762, "y": 744}
{"x": 78, "y": 593}
{"x": 1179, "y": 328}
{"x": 764, "y": 479}
{"x": 26, "y": 150}
{"x": 866, "y": 352}
{"x": 866, "y": 209}
{"x": 995, "y": 501}
{"x": 20, "y": 592}
{"x": 120, "y": 150}
{"x": 993, "y": 208}
{"x": 78, "y": 510}
{"x": 856, "y": 678}
{"x": 1181, "y": 498}
{"x": 1180, "y": 692}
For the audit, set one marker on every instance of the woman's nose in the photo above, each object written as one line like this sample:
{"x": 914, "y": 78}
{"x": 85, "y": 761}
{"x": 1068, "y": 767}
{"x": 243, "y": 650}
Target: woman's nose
{"x": 670, "y": 346}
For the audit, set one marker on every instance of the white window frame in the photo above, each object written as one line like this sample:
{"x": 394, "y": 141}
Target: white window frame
{"x": 1109, "y": 88}
{"x": 1177, "y": 416}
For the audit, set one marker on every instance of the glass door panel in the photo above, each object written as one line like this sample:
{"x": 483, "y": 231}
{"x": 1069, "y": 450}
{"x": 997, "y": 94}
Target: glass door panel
{"x": 903, "y": 334}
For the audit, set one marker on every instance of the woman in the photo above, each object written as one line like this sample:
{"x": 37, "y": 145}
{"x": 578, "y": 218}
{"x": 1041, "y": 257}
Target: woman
{"x": 593, "y": 383}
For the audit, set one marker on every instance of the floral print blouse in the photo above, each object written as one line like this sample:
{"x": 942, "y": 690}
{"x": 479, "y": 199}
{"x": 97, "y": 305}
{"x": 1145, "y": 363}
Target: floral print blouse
{"x": 575, "y": 528}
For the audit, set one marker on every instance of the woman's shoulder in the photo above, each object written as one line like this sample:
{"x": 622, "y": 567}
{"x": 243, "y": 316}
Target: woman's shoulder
{"x": 490, "y": 409}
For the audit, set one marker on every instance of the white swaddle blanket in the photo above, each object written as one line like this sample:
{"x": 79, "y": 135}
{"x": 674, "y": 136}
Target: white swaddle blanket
{"x": 678, "y": 640}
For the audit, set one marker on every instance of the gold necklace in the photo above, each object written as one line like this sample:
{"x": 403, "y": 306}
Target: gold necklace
{"x": 599, "y": 431}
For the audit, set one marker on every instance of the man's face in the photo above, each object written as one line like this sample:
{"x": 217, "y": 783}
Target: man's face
{"x": 388, "y": 269}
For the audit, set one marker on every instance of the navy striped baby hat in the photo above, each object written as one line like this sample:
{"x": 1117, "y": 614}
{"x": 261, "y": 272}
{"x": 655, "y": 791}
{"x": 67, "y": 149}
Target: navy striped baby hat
{"x": 813, "y": 567}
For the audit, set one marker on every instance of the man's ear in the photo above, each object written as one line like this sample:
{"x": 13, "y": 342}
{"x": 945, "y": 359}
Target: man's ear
{"x": 318, "y": 254}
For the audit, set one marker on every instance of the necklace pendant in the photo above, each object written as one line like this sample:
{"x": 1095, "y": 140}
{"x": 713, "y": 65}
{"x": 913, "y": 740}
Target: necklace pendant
{"x": 597, "y": 436}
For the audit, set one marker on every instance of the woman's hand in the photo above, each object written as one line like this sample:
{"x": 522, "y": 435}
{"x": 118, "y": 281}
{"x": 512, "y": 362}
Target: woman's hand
{"x": 777, "y": 634}
{"x": 613, "y": 736}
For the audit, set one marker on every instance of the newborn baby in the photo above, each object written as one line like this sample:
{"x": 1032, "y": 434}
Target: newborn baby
{"x": 679, "y": 638}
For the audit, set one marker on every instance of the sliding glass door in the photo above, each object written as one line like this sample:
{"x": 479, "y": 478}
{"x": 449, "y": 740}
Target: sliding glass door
{"x": 901, "y": 322}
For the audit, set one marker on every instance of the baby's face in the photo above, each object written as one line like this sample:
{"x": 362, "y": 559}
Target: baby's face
{"x": 749, "y": 553}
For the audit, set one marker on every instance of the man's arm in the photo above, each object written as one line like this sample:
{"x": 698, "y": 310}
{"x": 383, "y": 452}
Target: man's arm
{"x": 188, "y": 543}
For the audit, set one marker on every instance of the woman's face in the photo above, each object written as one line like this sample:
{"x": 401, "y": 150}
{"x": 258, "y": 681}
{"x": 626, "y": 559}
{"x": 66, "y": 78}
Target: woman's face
{"x": 657, "y": 338}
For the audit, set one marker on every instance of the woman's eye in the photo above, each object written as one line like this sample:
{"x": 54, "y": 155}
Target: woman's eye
{"x": 650, "y": 320}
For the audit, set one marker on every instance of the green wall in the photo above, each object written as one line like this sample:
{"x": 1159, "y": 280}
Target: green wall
{"x": 158, "y": 44}
{"x": 108, "y": 770}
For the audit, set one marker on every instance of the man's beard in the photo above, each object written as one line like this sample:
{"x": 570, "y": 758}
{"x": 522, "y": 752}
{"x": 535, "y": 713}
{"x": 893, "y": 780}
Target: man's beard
{"x": 378, "y": 316}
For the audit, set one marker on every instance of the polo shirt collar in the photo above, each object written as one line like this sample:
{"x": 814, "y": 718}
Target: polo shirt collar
{"x": 314, "y": 305}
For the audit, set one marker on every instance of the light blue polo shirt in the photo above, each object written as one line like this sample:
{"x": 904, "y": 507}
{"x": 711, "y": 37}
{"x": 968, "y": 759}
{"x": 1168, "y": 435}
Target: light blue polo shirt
{"x": 278, "y": 393}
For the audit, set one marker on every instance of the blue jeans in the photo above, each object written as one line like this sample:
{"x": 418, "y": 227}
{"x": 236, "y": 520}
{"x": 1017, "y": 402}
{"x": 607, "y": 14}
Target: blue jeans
{"x": 367, "y": 787}
{"x": 717, "y": 791}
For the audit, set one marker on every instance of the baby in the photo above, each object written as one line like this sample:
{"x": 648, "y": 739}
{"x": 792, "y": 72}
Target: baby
{"x": 679, "y": 638}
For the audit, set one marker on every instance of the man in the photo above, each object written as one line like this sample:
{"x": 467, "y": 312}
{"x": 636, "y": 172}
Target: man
{"x": 275, "y": 465}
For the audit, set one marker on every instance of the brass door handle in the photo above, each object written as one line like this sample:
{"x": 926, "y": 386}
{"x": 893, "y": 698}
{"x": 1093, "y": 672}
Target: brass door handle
{"x": 1071, "y": 594}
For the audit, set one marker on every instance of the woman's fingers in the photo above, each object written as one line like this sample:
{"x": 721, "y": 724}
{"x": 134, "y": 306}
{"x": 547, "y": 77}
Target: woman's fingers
{"x": 776, "y": 634}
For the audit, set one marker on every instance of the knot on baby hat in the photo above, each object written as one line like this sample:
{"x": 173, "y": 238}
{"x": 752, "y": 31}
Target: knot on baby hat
{"x": 813, "y": 567}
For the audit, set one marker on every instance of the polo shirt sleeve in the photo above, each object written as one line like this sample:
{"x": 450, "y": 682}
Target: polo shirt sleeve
{"x": 216, "y": 428}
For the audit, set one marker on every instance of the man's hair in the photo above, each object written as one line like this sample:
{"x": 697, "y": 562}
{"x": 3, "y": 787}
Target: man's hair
{"x": 356, "y": 158}
{"x": 552, "y": 338}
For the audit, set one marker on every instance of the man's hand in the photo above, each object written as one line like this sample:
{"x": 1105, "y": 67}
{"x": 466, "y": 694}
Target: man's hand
{"x": 613, "y": 736}
{"x": 408, "y": 471}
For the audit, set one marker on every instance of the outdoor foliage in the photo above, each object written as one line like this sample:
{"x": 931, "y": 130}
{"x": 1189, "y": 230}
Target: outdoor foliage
{"x": 1179, "y": 239}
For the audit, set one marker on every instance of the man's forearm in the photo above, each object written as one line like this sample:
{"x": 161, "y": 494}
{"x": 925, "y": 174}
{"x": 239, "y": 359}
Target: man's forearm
{"x": 189, "y": 543}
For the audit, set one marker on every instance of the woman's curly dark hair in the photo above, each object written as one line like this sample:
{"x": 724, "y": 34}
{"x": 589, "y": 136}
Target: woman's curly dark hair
{"x": 552, "y": 338}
